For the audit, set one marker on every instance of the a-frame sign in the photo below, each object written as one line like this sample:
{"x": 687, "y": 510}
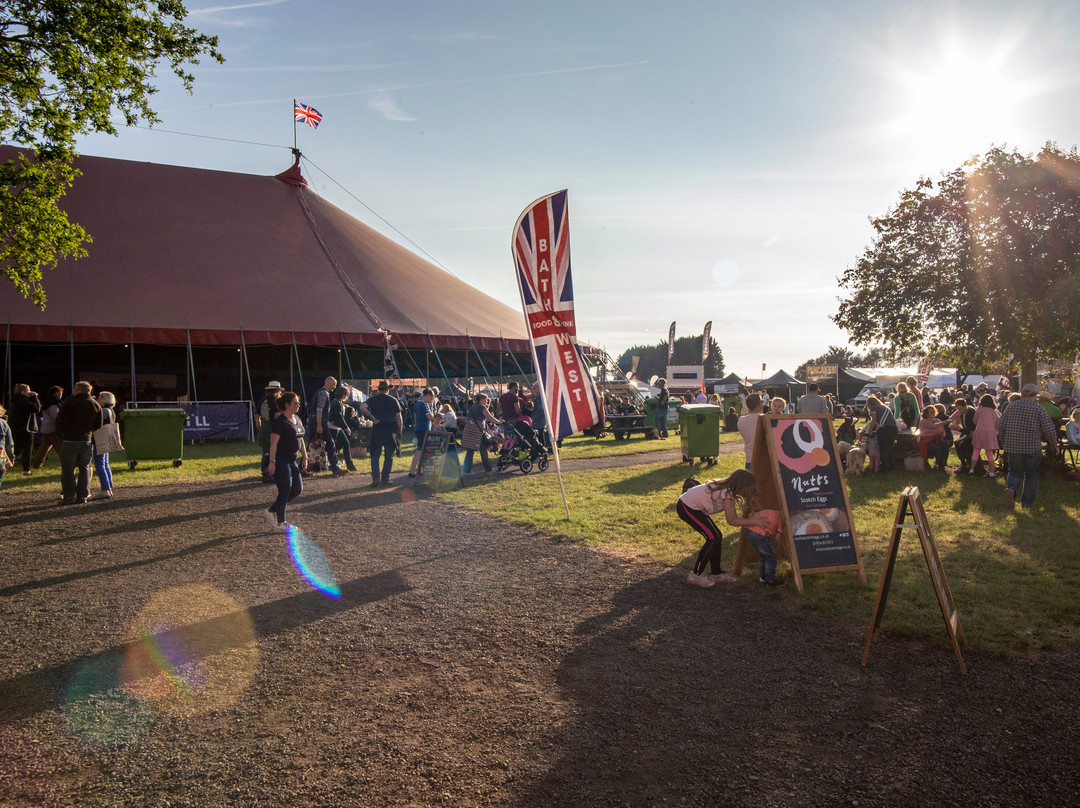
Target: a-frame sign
{"x": 911, "y": 502}
{"x": 799, "y": 473}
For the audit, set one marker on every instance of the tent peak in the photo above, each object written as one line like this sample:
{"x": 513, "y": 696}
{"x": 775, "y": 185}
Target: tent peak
{"x": 293, "y": 175}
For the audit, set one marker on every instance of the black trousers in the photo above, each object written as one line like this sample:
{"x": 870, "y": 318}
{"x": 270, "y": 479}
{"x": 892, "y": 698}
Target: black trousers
{"x": 382, "y": 441}
{"x": 24, "y": 447}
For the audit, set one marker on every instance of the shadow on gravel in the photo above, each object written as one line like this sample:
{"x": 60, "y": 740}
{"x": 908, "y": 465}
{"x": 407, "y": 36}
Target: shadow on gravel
{"x": 52, "y": 509}
{"x": 173, "y": 520}
{"x": 44, "y": 689}
{"x": 76, "y": 576}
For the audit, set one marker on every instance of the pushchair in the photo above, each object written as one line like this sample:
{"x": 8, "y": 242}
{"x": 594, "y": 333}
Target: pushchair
{"x": 521, "y": 448}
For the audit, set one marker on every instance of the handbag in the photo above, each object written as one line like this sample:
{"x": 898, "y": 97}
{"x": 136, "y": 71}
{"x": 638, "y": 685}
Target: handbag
{"x": 32, "y": 423}
{"x": 107, "y": 439}
{"x": 472, "y": 436}
{"x": 5, "y": 460}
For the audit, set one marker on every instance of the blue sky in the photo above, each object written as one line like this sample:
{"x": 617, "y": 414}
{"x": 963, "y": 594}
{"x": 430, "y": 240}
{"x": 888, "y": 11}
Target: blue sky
{"x": 721, "y": 158}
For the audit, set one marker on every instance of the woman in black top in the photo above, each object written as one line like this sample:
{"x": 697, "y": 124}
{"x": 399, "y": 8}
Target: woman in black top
{"x": 24, "y": 406}
{"x": 286, "y": 441}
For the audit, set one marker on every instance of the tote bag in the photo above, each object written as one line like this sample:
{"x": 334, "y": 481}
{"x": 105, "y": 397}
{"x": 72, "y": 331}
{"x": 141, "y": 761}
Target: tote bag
{"x": 107, "y": 439}
{"x": 472, "y": 436}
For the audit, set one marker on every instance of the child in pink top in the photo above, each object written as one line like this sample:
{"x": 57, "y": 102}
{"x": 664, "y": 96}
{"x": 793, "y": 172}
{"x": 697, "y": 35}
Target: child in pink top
{"x": 696, "y": 506}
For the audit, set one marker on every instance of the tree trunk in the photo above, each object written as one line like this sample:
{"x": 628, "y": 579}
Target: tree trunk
{"x": 1029, "y": 366}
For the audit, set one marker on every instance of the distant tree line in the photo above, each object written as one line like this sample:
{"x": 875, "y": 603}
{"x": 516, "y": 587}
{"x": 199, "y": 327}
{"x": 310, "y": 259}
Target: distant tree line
{"x": 653, "y": 360}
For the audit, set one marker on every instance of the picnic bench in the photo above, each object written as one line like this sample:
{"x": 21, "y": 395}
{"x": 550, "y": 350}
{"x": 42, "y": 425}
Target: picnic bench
{"x": 622, "y": 426}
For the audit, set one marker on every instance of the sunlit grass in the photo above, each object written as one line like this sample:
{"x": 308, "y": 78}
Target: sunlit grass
{"x": 1015, "y": 576}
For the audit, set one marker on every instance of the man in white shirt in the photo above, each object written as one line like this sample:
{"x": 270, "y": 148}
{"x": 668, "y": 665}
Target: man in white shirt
{"x": 748, "y": 425}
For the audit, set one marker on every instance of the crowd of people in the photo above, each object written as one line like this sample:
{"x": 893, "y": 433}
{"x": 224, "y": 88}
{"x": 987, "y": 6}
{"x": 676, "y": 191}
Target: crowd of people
{"x": 977, "y": 423}
{"x": 62, "y": 425}
{"x": 294, "y": 447}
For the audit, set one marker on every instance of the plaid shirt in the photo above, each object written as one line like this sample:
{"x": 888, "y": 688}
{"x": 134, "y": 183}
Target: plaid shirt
{"x": 1023, "y": 427}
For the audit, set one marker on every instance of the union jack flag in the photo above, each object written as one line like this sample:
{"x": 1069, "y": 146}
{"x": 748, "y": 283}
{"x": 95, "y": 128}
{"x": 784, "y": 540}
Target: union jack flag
{"x": 541, "y": 248}
{"x": 306, "y": 114}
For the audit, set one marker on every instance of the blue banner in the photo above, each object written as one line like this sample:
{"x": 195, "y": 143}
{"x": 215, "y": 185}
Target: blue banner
{"x": 219, "y": 421}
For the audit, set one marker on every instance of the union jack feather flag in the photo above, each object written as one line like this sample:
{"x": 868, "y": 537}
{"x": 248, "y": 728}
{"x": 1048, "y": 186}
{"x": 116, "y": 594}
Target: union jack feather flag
{"x": 306, "y": 114}
{"x": 541, "y": 248}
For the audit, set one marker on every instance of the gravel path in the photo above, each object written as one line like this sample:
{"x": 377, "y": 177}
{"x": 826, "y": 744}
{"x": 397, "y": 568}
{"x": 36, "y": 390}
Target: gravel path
{"x": 161, "y": 649}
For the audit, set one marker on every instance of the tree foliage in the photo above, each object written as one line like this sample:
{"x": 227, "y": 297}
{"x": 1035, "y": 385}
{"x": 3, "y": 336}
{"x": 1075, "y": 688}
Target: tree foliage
{"x": 653, "y": 358}
{"x": 981, "y": 268}
{"x": 66, "y": 67}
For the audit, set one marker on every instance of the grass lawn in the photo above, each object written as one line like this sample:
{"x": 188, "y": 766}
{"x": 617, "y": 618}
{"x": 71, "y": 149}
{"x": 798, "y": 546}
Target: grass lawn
{"x": 1015, "y": 576}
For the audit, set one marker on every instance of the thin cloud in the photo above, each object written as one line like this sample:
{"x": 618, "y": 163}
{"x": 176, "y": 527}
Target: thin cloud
{"x": 218, "y": 9}
{"x": 388, "y": 108}
{"x": 426, "y": 85}
{"x": 310, "y": 68}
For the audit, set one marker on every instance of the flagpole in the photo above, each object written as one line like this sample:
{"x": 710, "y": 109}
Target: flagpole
{"x": 552, "y": 428}
{"x": 294, "y": 126}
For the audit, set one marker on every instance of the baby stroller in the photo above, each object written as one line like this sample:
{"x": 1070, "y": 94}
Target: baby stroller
{"x": 521, "y": 448}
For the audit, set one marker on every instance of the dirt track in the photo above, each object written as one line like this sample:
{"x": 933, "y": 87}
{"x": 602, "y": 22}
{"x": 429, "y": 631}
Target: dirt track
{"x": 466, "y": 663}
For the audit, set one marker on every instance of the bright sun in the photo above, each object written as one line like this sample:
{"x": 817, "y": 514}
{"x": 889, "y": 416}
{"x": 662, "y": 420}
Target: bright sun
{"x": 958, "y": 105}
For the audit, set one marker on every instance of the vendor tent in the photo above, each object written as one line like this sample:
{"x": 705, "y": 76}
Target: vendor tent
{"x": 780, "y": 379}
{"x": 191, "y": 257}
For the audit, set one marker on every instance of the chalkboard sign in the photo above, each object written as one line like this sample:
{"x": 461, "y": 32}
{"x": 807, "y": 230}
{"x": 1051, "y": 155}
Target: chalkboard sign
{"x": 434, "y": 462}
{"x": 797, "y": 464}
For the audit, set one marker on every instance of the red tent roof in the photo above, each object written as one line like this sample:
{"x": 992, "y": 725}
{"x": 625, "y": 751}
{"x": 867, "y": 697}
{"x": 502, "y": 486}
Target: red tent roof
{"x": 178, "y": 250}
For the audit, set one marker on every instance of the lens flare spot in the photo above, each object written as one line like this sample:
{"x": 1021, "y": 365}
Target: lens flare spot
{"x": 311, "y": 563}
{"x": 447, "y": 476}
{"x": 408, "y": 496}
{"x": 191, "y": 650}
{"x": 98, "y": 707}
{"x": 725, "y": 273}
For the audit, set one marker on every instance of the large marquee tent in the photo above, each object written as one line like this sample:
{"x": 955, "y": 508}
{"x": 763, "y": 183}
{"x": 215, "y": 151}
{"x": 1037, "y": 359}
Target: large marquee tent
{"x": 217, "y": 276}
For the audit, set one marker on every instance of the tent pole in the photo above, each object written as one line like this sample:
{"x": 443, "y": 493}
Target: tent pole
{"x": 443, "y": 369}
{"x": 345, "y": 351}
{"x": 480, "y": 359}
{"x": 7, "y": 365}
{"x": 191, "y": 364}
{"x": 134, "y": 390}
{"x": 247, "y": 366}
{"x": 514, "y": 357}
{"x": 71, "y": 333}
{"x": 296, "y": 351}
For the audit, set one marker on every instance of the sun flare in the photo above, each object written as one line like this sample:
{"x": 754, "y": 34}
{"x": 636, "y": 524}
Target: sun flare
{"x": 958, "y": 103}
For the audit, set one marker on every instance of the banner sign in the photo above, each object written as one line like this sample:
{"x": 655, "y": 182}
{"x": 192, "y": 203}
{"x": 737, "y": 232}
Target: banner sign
{"x": 217, "y": 421}
{"x": 820, "y": 372}
{"x": 671, "y": 342}
{"x": 541, "y": 248}
{"x": 705, "y": 342}
{"x": 813, "y": 490}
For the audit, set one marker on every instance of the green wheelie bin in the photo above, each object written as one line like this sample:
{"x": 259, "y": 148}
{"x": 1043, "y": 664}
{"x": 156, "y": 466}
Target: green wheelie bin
{"x": 153, "y": 434}
{"x": 699, "y": 432}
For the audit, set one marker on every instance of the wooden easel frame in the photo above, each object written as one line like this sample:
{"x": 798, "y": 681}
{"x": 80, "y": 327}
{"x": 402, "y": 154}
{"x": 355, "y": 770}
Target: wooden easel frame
{"x": 766, "y": 468}
{"x": 911, "y": 501}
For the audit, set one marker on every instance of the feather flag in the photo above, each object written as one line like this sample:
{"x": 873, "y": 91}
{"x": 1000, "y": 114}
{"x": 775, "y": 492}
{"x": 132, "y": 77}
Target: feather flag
{"x": 541, "y": 249}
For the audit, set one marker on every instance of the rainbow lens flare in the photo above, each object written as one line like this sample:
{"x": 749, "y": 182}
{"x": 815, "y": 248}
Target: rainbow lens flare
{"x": 311, "y": 563}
